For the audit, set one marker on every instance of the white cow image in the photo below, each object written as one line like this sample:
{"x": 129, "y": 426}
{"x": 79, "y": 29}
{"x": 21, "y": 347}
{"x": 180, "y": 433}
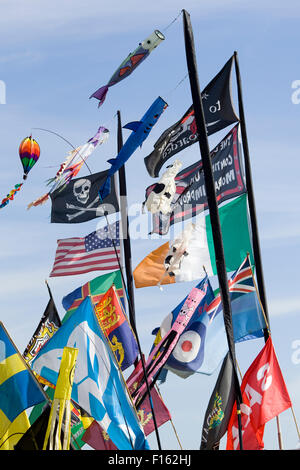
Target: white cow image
{"x": 161, "y": 196}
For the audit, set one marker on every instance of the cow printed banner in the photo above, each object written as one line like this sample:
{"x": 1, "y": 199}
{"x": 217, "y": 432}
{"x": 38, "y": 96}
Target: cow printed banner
{"x": 219, "y": 113}
{"x": 190, "y": 197}
{"x": 79, "y": 201}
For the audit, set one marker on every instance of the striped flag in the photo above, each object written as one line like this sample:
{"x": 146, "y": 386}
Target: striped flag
{"x": 97, "y": 251}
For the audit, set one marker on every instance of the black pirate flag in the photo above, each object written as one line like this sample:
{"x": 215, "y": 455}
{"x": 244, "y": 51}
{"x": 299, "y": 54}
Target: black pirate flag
{"x": 79, "y": 201}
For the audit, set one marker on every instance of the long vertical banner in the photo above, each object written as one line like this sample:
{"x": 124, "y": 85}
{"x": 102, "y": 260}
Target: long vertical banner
{"x": 190, "y": 197}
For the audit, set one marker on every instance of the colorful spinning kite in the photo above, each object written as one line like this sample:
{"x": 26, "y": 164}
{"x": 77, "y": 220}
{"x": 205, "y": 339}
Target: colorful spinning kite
{"x": 29, "y": 151}
{"x": 72, "y": 165}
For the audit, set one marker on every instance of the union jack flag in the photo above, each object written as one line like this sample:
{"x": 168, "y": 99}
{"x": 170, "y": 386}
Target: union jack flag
{"x": 241, "y": 282}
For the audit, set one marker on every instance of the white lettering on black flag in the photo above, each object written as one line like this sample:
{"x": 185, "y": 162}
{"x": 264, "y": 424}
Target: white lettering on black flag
{"x": 190, "y": 198}
{"x": 219, "y": 113}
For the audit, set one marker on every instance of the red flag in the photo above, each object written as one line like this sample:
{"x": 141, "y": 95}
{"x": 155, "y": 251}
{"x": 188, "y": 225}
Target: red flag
{"x": 264, "y": 396}
{"x": 97, "y": 438}
{"x": 144, "y": 410}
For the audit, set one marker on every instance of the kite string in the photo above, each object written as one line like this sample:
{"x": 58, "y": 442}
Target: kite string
{"x": 172, "y": 22}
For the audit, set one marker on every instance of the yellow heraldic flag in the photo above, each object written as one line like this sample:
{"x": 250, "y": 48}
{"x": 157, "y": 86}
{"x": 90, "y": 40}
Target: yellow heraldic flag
{"x": 61, "y": 402}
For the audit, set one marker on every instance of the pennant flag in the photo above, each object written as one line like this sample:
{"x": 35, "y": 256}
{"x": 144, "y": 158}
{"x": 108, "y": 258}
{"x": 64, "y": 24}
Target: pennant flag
{"x": 162, "y": 414}
{"x": 183, "y": 260}
{"x": 97, "y": 251}
{"x": 95, "y": 289}
{"x": 218, "y": 111}
{"x": 201, "y": 346}
{"x": 80, "y": 201}
{"x": 219, "y": 407}
{"x": 190, "y": 196}
{"x": 15, "y": 432}
{"x": 247, "y": 316}
{"x": 97, "y": 438}
{"x": 161, "y": 352}
{"x": 48, "y": 325}
{"x": 264, "y": 396}
{"x": 116, "y": 327}
{"x": 61, "y": 403}
{"x": 18, "y": 388}
{"x": 98, "y": 385}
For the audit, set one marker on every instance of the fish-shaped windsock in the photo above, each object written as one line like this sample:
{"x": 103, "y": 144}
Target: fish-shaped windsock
{"x": 141, "y": 129}
{"x": 130, "y": 64}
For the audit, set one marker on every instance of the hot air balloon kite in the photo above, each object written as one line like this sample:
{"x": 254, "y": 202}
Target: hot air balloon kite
{"x": 29, "y": 152}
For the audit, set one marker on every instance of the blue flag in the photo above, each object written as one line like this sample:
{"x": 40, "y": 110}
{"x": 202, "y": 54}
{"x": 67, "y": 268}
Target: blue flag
{"x": 98, "y": 386}
{"x": 18, "y": 388}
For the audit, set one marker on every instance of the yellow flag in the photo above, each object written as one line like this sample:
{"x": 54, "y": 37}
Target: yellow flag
{"x": 15, "y": 431}
{"x": 61, "y": 403}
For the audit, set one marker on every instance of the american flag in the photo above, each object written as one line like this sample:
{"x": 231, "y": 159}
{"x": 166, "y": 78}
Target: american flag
{"x": 240, "y": 283}
{"x": 96, "y": 251}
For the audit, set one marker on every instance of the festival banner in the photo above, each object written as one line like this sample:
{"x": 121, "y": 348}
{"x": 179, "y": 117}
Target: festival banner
{"x": 190, "y": 197}
{"x": 219, "y": 113}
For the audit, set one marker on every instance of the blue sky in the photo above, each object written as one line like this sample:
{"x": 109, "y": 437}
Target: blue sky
{"x": 53, "y": 56}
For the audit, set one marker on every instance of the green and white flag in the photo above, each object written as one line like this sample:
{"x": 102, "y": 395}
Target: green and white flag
{"x": 192, "y": 251}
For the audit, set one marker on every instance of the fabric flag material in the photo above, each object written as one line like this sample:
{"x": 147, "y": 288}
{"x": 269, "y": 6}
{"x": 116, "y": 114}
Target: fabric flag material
{"x": 183, "y": 260}
{"x": 15, "y": 432}
{"x": 98, "y": 385}
{"x": 96, "y": 251}
{"x": 77, "y": 429}
{"x": 79, "y": 201}
{"x": 218, "y": 111}
{"x": 264, "y": 396}
{"x": 190, "y": 197}
{"x": 161, "y": 352}
{"x": 219, "y": 408}
{"x": 116, "y": 327}
{"x": 48, "y": 325}
{"x": 97, "y": 438}
{"x": 247, "y": 317}
{"x": 61, "y": 403}
{"x": 162, "y": 414}
{"x": 18, "y": 388}
{"x": 201, "y": 346}
{"x": 95, "y": 289}
{"x": 34, "y": 437}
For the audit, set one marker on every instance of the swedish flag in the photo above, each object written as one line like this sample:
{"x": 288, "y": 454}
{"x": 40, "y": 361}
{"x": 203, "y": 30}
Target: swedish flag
{"x": 18, "y": 388}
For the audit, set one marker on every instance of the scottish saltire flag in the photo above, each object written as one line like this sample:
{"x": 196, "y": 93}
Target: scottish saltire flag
{"x": 18, "y": 388}
{"x": 98, "y": 386}
{"x": 247, "y": 316}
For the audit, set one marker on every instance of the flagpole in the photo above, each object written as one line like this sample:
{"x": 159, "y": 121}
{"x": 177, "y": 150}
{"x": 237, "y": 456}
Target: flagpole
{"x": 128, "y": 267}
{"x": 250, "y": 192}
{"x": 125, "y": 228}
{"x": 212, "y": 202}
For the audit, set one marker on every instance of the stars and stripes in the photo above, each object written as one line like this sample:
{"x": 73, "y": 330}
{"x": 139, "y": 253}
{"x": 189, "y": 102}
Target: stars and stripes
{"x": 240, "y": 283}
{"x": 99, "y": 250}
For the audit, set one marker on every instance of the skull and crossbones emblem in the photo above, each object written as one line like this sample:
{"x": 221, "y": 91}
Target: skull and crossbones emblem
{"x": 81, "y": 191}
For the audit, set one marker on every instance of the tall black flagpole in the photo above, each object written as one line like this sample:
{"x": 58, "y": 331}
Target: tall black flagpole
{"x": 124, "y": 221}
{"x": 251, "y": 201}
{"x": 211, "y": 200}
{"x": 128, "y": 268}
